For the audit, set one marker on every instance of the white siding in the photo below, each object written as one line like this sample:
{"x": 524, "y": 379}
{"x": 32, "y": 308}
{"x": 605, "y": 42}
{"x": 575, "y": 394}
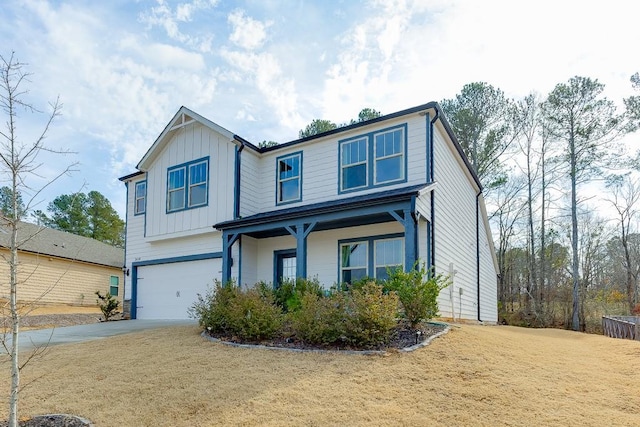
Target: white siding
{"x": 454, "y": 228}
{"x": 320, "y": 171}
{"x": 488, "y": 278}
{"x": 251, "y": 184}
{"x": 322, "y": 250}
{"x": 190, "y": 143}
{"x": 140, "y": 249}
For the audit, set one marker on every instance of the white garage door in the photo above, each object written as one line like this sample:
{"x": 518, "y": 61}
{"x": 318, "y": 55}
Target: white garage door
{"x": 166, "y": 291}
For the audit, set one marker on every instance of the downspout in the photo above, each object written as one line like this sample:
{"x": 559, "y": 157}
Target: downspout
{"x": 124, "y": 264}
{"x": 433, "y": 204}
{"x": 236, "y": 205}
{"x": 478, "y": 249}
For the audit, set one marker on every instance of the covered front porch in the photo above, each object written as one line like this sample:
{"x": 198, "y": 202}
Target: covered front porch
{"x": 366, "y": 212}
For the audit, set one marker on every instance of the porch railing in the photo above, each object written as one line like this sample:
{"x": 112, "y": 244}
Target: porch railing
{"x": 625, "y": 327}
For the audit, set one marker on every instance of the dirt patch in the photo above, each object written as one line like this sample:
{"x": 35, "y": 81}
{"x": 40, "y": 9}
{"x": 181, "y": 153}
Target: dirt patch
{"x": 52, "y": 316}
{"x": 472, "y": 376}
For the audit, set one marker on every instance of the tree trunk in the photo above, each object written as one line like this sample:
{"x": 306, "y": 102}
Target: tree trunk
{"x": 575, "y": 272}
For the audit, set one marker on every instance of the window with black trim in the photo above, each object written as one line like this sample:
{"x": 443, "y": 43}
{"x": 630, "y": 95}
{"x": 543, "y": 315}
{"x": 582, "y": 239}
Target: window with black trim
{"x": 289, "y": 178}
{"x": 140, "y": 198}
{"x": 372, "y": 160}
{"x": 188, "y": 185}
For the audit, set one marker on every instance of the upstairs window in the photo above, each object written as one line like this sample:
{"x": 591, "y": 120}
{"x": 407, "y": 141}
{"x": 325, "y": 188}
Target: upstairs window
{"x": 289, "y": 178}
{"x": 389, "y": 155}
{"x": 140, "y": 203}
{"x": 188, "y": 185}
{"x": 373, "y": 160}
{"x": 353, "y": 167}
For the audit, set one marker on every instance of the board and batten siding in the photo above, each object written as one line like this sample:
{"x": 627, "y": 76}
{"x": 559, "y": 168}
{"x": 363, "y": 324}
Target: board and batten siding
{"x": 141, "y": 249}
{"x": 320, "y": 169}
{"x": 455, "y": 232}
{"x": 52, "y": 280}
{"x": 189, "y": 143}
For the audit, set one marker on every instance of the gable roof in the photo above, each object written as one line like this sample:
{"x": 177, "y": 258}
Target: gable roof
{"x": 183, "y": 117}
{"x": 47, "y": 241}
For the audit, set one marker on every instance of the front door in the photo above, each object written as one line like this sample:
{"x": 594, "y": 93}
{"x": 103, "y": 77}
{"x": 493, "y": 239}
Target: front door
{"x": 285, "y": 265}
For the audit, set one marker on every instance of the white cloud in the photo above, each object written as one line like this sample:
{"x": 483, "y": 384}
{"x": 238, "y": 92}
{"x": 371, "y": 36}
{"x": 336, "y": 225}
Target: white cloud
{"x": 169, "y": 19}
{"x": 247, "y": 33}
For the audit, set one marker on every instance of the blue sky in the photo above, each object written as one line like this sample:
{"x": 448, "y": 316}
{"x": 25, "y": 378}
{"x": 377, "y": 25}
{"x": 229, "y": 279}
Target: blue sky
{"x": 264, "y": 69}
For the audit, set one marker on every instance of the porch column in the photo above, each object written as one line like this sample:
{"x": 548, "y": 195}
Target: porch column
{"x": 410, "y": 237}
{"x": 300, "y": 232}
{"x": 228, "y": 239}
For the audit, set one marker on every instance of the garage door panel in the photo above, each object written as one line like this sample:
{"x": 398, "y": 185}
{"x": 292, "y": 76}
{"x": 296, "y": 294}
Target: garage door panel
{"x": 166, "y": 291}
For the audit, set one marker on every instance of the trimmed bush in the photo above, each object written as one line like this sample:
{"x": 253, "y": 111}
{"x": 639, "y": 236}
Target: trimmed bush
{"x": 320, "y": 320}
{"x": 418, "y": 291}
{"x": 253, "y": 315}
{"x": 212, "y": 309}
{"x": 373, "y": 315}
{"x": 289, "y": 293}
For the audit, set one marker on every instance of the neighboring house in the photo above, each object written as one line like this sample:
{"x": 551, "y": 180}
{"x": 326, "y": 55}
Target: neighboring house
{"x": 206, "y": 204}
{"x": 59, "y": 267}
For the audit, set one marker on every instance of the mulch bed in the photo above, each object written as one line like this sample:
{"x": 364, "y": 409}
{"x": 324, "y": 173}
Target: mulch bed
{"x": 55, "y": 420}
{"x": 403, "y": 336}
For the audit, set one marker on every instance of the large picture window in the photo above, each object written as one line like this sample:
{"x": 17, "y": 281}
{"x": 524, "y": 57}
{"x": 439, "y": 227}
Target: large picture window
{"x": 289, "y": 178}
{"x": 372, "y": 160}
{"x": 188, "y": 185}
{"x": 140, "y": 204}
{"x": 370, "y": 257}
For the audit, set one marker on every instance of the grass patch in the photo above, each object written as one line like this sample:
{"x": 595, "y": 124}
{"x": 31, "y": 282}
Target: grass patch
{"x": 474, "y": 376}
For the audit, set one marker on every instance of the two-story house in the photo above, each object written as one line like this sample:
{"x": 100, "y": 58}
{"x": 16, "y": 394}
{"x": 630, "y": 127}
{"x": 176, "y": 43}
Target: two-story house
{"x": 206, "y": 204}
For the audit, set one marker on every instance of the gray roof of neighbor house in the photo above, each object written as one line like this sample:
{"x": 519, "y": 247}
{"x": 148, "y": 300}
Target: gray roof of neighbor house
{"x": 47, "y": 241}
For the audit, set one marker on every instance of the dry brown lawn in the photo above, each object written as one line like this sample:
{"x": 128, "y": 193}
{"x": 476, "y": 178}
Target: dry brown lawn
{"x": 473, "y": 376}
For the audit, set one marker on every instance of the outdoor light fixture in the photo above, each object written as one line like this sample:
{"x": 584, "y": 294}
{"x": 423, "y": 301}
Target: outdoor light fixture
{"x": 125, "y": 270}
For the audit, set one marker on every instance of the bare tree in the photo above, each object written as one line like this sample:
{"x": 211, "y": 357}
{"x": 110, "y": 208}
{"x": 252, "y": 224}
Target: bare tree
{"x": 624, "y": 198}
{"x": 578, "y": 114}
{"x": 18, "y": 160}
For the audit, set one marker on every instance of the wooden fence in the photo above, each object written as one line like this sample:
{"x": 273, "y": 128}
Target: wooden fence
{"x": 626, "y": 327}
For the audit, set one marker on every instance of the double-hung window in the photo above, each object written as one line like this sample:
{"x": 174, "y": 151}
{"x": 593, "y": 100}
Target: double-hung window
{"x": 370, "y": 257}
{"x": 389, "y": 156}
{"x": 388, "y": 257}
{"x": 353, "y": 165}
{"x": 372, "y": 160}
{"x": 114, "y": 283}
{"x": 353, "y": 261}
{"x": 188, "y": 185}
{"x": 140, "y": 203}
{"x": 289, "y": 178}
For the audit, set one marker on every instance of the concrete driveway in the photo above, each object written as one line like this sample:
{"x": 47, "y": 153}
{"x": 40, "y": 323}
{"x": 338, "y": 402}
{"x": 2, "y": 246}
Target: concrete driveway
{"x": 29, "y": 340}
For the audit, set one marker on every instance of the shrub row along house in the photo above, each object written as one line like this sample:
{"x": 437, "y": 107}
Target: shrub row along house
{"x": 390, "y": 192}
{"x": 56, "y": 267}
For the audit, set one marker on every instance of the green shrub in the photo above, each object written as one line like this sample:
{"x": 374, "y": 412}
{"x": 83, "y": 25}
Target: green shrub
{"x": 289, "y": 293}
{"x": 108, "y": 305}
{"x": 319, "y": 319}
{"x": 418, "y": 291}
{"x": 252, "y": 315}
{"x": 372, "y": 315}
{"x": 212, "y": 309}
